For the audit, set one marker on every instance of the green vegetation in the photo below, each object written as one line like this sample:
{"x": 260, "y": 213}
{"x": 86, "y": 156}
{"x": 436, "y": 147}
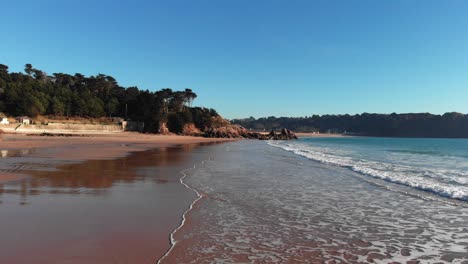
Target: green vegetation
{"x": 449, "y": 125}
{"x": 35, "y": 93}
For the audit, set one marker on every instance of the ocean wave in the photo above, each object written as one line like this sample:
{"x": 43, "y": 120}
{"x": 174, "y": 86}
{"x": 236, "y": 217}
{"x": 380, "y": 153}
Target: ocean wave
{"x": 425, "y": 152}
{"x": 441, "y": 181}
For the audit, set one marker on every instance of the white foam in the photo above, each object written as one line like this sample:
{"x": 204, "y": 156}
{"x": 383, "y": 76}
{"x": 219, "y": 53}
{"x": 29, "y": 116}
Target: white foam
{"x": 289, "y": 212}
{"x": 199, "y": 197}
{"x": 444, "y": 182}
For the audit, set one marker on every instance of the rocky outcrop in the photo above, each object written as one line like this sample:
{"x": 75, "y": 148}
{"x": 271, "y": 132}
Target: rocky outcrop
{"x": 218, "y": 121}
{"x": 237, "y": 131}
{"x": 229, "y": 131}
{"x": 285, "y": 134}
{"x": 218, "y": 127}
{"x": 191, "y": 130}
{"x": 163, "y": 129}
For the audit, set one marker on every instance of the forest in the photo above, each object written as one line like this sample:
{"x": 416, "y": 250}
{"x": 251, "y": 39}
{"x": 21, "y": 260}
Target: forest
{"x": 34, "y": 93}
{"x": 448, "y": 125}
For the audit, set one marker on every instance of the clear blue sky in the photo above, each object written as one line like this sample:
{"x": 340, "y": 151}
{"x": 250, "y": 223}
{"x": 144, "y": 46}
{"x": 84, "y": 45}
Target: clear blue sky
{"x": 259, "y": 58}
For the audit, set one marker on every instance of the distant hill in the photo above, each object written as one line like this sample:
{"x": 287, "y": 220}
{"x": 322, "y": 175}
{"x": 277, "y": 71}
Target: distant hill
{"x": 448, "y": 125}
{"x": 34, "y": 93}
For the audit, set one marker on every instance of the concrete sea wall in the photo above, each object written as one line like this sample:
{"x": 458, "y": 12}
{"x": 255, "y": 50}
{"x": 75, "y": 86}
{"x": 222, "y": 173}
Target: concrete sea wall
{"x": 62, "y": 128}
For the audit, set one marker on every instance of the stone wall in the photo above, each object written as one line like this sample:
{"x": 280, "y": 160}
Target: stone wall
{"x": 81, "y": 127}
{"x": 62, "y": 128}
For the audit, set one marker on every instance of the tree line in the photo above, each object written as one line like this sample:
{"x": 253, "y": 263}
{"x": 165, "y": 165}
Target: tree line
{"x": 35, "y": 93}
{"x": 448, "y": 125}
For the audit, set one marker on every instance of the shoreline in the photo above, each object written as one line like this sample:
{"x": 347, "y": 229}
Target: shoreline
{"x": 88, "y": 159}
{"x": 185, "y": 215}
{"x": 270, "y": 224}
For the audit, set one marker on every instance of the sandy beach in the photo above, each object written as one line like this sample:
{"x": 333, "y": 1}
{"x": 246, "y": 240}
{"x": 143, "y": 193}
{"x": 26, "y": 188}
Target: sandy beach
{"x": 93, "y": 199}
{"x": 122, "y": 198}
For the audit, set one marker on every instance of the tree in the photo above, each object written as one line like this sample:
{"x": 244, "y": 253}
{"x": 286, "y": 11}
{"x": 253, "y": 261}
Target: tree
{"x": 33, "y": 106}
{"x": 164, "y": 96}
{"x": 39, "y": 75}
{"x": 3, "y": 69}
{"x": 58, "y": 107}
{"x": 178, "y": 101}
{"x": 112, "y": 106}
{"x": 95, "y": 107}
{"x": 28, "y": 69}
{"x": 34, "y": 93}
{"x": 190, "y": 96}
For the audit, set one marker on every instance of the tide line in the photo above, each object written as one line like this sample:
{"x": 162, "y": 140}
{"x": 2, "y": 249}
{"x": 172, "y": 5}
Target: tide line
{"x": 199, "y": 197}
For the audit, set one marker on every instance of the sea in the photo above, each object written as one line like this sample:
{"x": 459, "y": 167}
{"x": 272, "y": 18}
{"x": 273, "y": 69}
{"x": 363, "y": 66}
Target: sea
{"x": 437, "y": 166}
{"x": 328, "y": 200}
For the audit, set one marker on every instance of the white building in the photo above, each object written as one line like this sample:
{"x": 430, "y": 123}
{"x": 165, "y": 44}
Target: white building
{"x": 23, "y": 120}
{"x": 4, "y": 121}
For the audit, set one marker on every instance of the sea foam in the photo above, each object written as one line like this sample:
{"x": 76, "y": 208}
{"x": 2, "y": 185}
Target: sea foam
{"x": 445, "y": 182}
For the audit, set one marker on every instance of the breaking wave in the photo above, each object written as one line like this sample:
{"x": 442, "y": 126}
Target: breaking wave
{"x": 446, "y": 182}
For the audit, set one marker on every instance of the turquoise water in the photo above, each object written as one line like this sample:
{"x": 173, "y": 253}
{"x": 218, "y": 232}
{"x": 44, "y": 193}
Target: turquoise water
{"x": 436, "y": 166}
{"x": 263, "y": 204}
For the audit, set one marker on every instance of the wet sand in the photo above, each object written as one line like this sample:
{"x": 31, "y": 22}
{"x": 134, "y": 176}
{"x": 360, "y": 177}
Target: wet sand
{"x": 103, "y": 199}
{"x": 262, "y": 204}
{"x": 9, "y": 177}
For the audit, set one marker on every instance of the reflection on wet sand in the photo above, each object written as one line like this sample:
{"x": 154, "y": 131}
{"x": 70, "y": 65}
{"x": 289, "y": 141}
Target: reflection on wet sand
{"x": 98, "y": 211}
{"x": 15, "y": 153}
{"x": 94, "y": 176}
